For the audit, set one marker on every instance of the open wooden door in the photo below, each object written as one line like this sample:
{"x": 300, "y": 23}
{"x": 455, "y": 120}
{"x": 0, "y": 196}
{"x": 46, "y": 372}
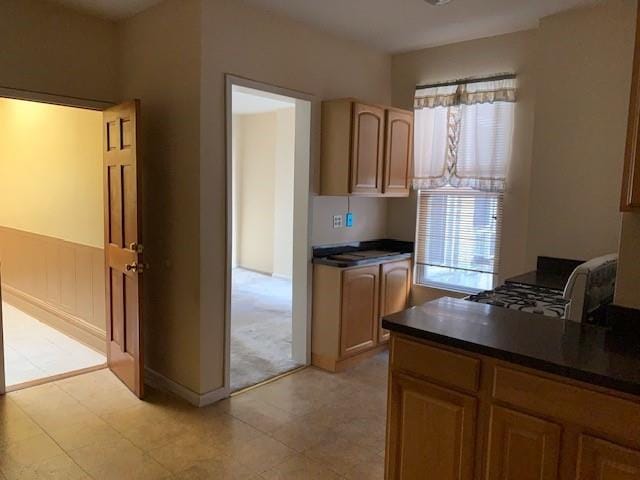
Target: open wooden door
{"x": 123, "y": 244}
{"x": 3, "y": 386}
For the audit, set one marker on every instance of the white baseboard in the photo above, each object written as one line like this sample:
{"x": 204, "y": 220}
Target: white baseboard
{"x": 159, "y": 381}
{"x": 283, "y": 277}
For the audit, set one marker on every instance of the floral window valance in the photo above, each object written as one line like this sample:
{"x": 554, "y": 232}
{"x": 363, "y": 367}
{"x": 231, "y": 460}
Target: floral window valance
{"x": 463, "y": 134}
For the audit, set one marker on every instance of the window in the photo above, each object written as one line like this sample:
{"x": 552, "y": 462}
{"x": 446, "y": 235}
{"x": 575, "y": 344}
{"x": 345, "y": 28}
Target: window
{"x": 458, "y": 238}
{"x": 463, "y": 134}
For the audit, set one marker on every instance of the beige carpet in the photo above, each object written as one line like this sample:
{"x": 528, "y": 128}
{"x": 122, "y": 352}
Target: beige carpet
{"x": 260, "y": 328}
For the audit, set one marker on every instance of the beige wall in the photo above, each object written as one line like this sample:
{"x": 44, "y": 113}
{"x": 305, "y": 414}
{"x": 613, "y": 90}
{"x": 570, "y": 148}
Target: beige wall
{"x": 370, "y": 219}
{"x": 256, "y": 173}
{"x": 283, "y": 193}
{"x": 564, "y": 183}
{"x": 160, "y": 64}
{"x": 583, "y": 79}
{"x": 51, "y": 171}
{"x": 50, "y": 49}
{"x": 505, "y": 53}
{"x": 264, "y": 167}
{"x": 628, "y": 282}
{"x": 246, "y": 42}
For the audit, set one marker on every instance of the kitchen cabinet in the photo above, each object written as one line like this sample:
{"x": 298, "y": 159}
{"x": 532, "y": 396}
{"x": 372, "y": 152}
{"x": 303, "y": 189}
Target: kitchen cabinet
{"x": 523, "y": 424}
{"x": 630, "y": 200}
{"x": 348, "y": 305}
{"x": 601, "y": 460}
{"x": 366, "y": 150}
{"x": 522, "y": 447}
{"x": 432, "y": 431}
{"x": 359, "y": 316}
{"x": 395, "y": 286}
{"x": 398, "y": 153}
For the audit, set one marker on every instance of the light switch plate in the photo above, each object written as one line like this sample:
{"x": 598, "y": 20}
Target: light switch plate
{"x": 337, "y": 221}
{"x": 348, "y": 220}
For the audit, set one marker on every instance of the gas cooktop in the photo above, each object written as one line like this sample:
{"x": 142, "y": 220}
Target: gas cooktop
{"x": 525, "y": 298}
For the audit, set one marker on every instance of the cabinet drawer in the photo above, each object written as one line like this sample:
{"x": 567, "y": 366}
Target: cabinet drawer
{"x": 445, "y": 367}
{"x": 593, "y": 410}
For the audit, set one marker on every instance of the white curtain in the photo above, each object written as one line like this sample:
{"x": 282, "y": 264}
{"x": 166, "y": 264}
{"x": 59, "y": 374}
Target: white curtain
{"x": 463, "y": 135}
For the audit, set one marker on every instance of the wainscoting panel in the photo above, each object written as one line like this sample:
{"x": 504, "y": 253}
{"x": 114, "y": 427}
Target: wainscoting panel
{"x": 59, "y": 282}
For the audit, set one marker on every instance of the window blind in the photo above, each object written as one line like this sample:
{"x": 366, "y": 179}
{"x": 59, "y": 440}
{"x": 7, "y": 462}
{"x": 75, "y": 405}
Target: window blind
{"x": 458, "y": 238}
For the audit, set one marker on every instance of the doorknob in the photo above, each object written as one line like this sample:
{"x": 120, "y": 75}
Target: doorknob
{"x": 135, "y": 267}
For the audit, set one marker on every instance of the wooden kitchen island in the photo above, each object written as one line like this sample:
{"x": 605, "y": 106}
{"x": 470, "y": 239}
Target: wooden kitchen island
{"x": 483, "y": 392}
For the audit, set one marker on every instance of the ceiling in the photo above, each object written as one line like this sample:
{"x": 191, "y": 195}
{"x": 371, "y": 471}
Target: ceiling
{"x": 248, "y": 101}
{"x": 109, "y": 9}
{"x": 387, "y": 25}
{"x": 402, "y": 25}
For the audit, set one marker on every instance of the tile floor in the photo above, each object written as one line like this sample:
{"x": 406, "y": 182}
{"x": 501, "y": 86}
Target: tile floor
{"x": 34, "y": 350}
{"x": 310, "y": 425}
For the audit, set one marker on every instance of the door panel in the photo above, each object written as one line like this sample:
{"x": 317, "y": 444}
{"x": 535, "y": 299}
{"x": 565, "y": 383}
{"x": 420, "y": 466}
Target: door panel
{"x": 432, "y": 431}
{"x": 398, "y": 153}
{"x": 602, "y": 460}
{"x": 395, "y": 285}
{"x": 522, "y": 447}
{"x": 359, "y": 309}
{"x": 123, "y": 244}
{"x": 2, "y": 376}
{"x": 368, "y": 151}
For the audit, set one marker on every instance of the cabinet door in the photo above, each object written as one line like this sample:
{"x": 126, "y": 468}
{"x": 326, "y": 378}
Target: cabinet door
{"x": 522, "y": 447}
{"x": 431, "y": 432}
{"x": 367, "y": 150}
{"x": 395, "y": 285}
{"x": 359, "y": 309}
{"x": 631, "y": 177}
{"x": 398, "y": 153}
{"x": 602, "y": 460}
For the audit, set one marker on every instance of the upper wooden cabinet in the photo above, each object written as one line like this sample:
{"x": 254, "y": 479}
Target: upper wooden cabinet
{"x": 366, "y": 149}
{"x": 398, "y": 153}
{"x": 630, "y": 200}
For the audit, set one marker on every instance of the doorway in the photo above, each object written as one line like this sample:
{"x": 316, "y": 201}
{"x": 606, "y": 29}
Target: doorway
{"x": 51, "y": 241}
{"x": 71, "y": 252}
{"x": 268, "y": 255}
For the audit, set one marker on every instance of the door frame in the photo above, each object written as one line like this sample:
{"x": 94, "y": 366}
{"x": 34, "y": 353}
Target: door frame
{"x": 52, "y": 99}
{"x": 305, "y": 152}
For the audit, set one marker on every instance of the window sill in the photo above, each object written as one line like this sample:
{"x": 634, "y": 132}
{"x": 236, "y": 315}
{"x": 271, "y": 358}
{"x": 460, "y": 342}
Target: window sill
{"x": 449, "y": 288}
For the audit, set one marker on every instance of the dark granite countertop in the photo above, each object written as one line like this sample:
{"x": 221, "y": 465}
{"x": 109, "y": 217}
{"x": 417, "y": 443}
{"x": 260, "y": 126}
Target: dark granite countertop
{"x": 588, "y": 353}
{"x": 357, "y": 263}
{"x": 324, "y": 255}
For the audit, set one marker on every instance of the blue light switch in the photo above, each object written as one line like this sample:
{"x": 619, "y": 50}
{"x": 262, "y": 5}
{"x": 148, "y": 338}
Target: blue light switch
{"x": 348, "y": 220}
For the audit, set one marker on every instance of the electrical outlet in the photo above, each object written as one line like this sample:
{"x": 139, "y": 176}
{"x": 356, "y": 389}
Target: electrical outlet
{"x": 337, "y": 221}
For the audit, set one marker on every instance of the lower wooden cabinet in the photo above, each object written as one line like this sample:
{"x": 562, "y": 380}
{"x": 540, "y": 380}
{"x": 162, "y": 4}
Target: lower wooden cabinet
{"x": 432, "y": 431}
{"x": 602, "y": 460}
{"x": 514, "y": 424}
{"x": 359, "y": 309}
{"x": 395, "y": 285}
{"x": 348, "y": 306}
{"x": 522, "y": 447}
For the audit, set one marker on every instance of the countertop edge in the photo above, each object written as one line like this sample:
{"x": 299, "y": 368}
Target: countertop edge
{"x": 534, "y": 363}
